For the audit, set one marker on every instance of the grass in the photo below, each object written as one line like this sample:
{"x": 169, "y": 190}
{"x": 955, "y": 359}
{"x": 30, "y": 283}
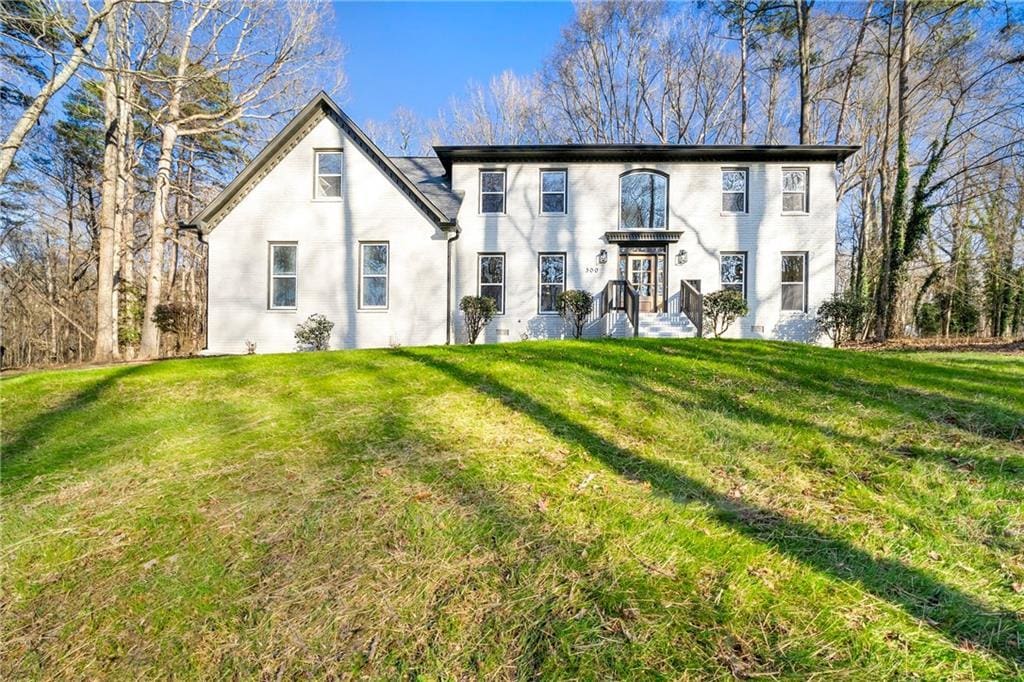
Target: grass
{"x": 616, "y": 509}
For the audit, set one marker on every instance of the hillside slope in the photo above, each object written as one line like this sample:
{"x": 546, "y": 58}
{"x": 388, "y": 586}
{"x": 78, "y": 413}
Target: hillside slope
{"x": 633, "y": 509}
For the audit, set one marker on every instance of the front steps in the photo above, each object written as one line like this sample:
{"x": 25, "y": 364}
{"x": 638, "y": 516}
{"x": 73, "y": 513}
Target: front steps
{"x": 653, "y": 325}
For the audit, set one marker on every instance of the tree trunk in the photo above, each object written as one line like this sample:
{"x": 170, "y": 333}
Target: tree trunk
{"x": 743, "y": 74}
{"x": 803, "y": 14}
{"x": 854, "y": 60}
{"x": 83, "y": 43}
{"x": 150, "y": 345}
{"x": 106, "y": 348}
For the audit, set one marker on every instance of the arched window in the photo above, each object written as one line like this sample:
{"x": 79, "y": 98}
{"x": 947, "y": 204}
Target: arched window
{"x": 643, "y": 200}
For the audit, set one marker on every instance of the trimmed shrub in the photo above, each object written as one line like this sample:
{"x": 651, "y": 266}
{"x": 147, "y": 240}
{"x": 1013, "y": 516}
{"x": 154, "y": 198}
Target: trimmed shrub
{"x": 182, "y": 320}
{"x": 314, "y": 333}
{"x": 575, "y": 307}
{"x": 841, "y": 316}
{"x": 721, "y": 308}
{"x": 477, "y": 311}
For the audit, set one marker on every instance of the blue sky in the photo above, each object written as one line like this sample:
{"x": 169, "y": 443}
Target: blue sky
{"x": 420, "y": 54}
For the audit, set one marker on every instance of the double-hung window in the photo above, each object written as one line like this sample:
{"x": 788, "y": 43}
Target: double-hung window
{"x": 492, "y": 191}
{"x": 552, "y": 280}
{"x": 492, "y": 278}
{"x": 283, "y": 276}
{"x": 734, "y": 190}
{"x": 373, "y": 275}
{"x": 553, "y": 192}
{"x": 794, "y": 281}
{"x": 794, "y": 190}
{"x": 328, "y": 174}
{"x": 734, "y": 272}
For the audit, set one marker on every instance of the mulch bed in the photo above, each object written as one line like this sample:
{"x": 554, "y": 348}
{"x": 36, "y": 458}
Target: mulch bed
{"x": 950, "y": 344}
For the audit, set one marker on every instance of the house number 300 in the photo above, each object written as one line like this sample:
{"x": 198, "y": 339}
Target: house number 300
{"x": 593, "y": 269}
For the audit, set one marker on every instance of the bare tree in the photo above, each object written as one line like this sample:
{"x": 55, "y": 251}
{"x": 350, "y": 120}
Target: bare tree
{"x": 19, "y": 26}
{"x": 241, "y": 59}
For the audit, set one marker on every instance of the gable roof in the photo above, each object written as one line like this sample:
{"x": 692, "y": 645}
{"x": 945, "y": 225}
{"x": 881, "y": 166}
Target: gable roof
{"x": 318, "y": 108}
{"x": 555, "y": 153}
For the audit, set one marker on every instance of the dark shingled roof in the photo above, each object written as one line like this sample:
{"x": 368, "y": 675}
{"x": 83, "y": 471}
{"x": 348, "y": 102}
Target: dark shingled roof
{"x": 427, "y": 173}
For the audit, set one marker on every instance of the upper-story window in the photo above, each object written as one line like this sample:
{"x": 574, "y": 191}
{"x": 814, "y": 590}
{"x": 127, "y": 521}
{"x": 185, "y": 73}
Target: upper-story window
{"x": 734, "y": 190}
{"x": 553, "y": 190}
{"x": 643, "y": 200}
{"x": 328, "y": 175}
{"x": 492, "y": 191}
{"x": 794, "y": 190}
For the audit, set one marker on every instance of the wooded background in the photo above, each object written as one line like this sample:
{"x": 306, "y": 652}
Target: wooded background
{"x": 121, "y": 117}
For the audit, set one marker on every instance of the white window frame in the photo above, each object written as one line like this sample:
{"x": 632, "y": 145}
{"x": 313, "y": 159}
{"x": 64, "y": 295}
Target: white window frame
{"x": 806, "y": 193}
{"x": 479, "y": 279}
{"x": 745, "y": 192}
{"x": 653, "y": 173}
{"x": 317, "y": 174}
{"x": 272, "y": 276}
{"x": 804, "y": 283}
{"x": 386, "y": 276}
{"x": 503, "y": 192}
{"x": 564, "y": 193}
{"x": 541, "y": 283}
{"x": 722, "y": 284}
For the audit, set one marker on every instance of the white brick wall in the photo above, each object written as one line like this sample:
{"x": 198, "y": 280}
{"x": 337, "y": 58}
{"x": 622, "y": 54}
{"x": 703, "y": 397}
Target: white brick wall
{"x": 281, "y": 208}
{"x": 694, "y": 207}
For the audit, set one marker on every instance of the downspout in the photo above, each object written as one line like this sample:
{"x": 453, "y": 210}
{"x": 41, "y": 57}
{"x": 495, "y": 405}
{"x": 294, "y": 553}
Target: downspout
{"x": 448, "y": 294}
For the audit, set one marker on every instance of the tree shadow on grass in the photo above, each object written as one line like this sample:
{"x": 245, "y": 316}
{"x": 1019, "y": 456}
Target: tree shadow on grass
{"x": 912, "y": 383}
{"x": 31, "y": 452}
{"x": 1006, "y": 469}
{"x": 955, "y": 614}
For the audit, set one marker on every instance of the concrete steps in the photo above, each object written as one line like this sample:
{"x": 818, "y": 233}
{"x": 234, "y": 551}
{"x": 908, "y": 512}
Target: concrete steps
{"x": 653, "y": 325}
{"x": 666, "y": 326}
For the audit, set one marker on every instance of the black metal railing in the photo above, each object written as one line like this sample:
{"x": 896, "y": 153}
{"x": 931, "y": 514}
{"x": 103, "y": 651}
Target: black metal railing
{"x": 620, "y": 294}
{"x": 691, "y": 303}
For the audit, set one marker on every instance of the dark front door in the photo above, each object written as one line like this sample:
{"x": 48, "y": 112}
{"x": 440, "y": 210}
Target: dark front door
{"x": 643, "y": 276}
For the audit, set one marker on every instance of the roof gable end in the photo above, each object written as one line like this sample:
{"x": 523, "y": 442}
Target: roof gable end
{"x": 320, "y": 107}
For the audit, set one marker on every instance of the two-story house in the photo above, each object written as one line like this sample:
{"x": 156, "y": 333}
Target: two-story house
{"x": 321, "y": 221}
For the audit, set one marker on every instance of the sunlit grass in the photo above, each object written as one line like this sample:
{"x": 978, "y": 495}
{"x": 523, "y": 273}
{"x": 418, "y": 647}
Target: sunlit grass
{"x": 683, "y": 509}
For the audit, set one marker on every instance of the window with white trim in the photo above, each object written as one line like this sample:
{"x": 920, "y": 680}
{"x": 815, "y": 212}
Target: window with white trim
{"x": 283, "y": 276}
{"x": 492, "y": 278}
{"x": 373, "y": 275}
{"x": 734, "y": 190}
{"x": 794, "y": 281}
{"x": 643, "y": 200}
{"x": 794, "y": 190}
{"x": 551, "y": 271}
{"x": 492, "y": 191}
{"x": 328, "y": 174}
{"x": 553, "y": 192}
{"x": 734, "y": 272}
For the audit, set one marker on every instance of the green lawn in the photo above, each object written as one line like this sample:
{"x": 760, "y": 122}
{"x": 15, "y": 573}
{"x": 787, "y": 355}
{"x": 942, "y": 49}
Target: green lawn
{"x": 614, "y": 509}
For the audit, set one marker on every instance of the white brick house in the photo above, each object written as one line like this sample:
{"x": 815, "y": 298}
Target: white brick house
{"x": 323, "y": 222}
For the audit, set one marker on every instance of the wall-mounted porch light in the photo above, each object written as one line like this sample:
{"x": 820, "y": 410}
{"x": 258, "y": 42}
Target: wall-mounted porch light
{"x": 681, "y": 257}
{"x": 602, "y": 256}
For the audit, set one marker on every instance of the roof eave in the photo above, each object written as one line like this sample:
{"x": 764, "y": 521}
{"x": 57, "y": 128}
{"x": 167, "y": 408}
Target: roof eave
{"x": 321, "y": 100}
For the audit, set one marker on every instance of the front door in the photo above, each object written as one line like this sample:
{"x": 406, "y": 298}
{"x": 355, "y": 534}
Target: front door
{"x": 642, "y": 275}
